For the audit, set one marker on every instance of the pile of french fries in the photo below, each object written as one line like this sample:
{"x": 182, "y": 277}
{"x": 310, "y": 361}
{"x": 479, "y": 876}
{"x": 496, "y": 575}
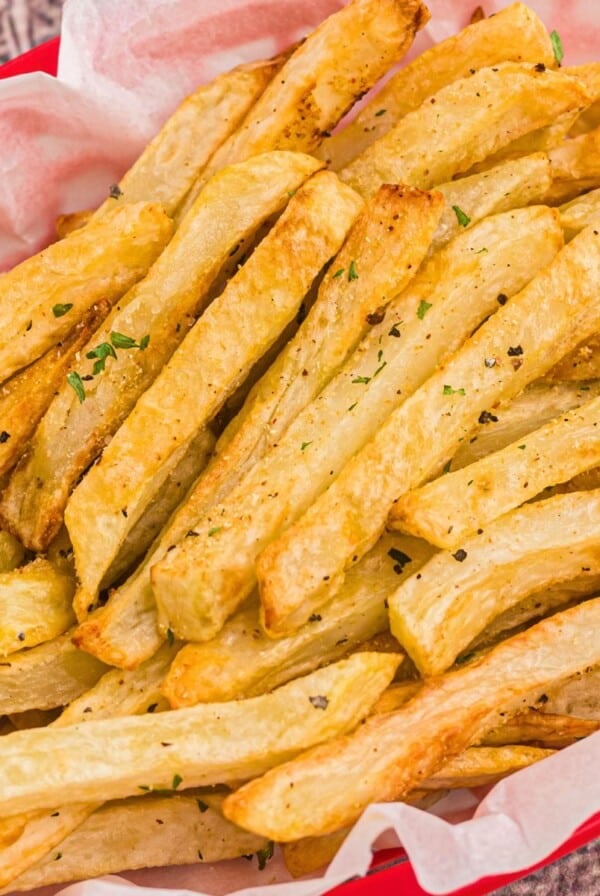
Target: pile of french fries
{"x": 300, "y": 456}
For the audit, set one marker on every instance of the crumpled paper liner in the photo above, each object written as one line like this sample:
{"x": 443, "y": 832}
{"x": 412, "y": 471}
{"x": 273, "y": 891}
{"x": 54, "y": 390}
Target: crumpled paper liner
{"x": 123, "y": 68}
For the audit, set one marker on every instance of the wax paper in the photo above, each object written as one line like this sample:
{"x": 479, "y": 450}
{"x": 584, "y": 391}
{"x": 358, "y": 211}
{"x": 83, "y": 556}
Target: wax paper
{"x": 124, "y": 66}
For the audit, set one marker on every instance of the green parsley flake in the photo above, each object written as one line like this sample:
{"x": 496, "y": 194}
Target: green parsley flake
{"x": 363, "y": 380}
{"x": 446, "y": 467}
{"x": 305, "y": 445}
{"x": 352, "y": 272}
{"x": 264, "y": 855}
{"x": 101, "y": 352}
{"x": 170, "y": 637}
{"x": 448, "y": 390}
{"x": 76, "y": 383}
{"x": 380, "y": 112}
{"x": 214, "y": 531}
{"x": 557, "y": 46}
{"x": 423, "y": 309}
{"x": 461, "y": 217}
{"x": 177, "y": 780}
{"x": 352, "y": 406}
{"x": 60, "y": 310}
{"x": 522, "y": 447}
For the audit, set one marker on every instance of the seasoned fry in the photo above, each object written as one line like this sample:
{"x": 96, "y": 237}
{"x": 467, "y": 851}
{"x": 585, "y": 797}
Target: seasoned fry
{"x": 329, "y": 786}
{"x": 127, "y": 756}
{"x": 580, "y": 212}
{"x": 589, "y": 119}
{"x": 125, "y": 631}
{"x": 575, "y": 167}
{"x": 527, "y": 335}
{"x": 143, "y": 332}
{"x": 204, "y": 579}
{"x": 204, "y": 370}
{"x": 511, "y": 184}
{"x": 241, "y": 661}
{"x": 514, "y": 34}
{"x": 470, "y": 120}
{"x": 581, "y": 364}
{"x": 43, "y": 298}
{"x": 548, "y": 729}
{"x": 336, "y": 64}
{"x": 66, "y": 224}
{"x": 25, "y": 397}
{"x": 456, "y": 506}
{"x": 35, "y": 605}
{"x": 478, "y": 766}
{"x": 541, "y": 544}
{"x": 50, "y": 675}
{"x": 580, "y": 696}
{"x": 125, "y": 835}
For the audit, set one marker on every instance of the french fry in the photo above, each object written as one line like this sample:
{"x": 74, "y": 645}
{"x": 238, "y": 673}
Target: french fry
{"x": 454, "y": 507}
{"x": 241, "y": 661}
{"x": 12, "y": 552}
{"x": 28, "y": 838}
{"x": 580, "y": 696}
{"x": 125, "y": 757}
{"x": 52, "y": 674}
{"x": 537, "y": 405}
{"x": 204, "y": 370}
{"x": 581, "y": 364}
{"x": 35, "y": 605}
{"x": 125, "y": 630}
{"x": 550, "y": 730}
{"x": 342, "y": 59}
{"x": 45, "y": 296}
{"x": 514, "y": 34}
{"x": 25, "y": 397}
{"x": 527, "y": 336}
{"x": 509, "y": 185}
{"x": 589, "y": 119}
{"x": 575, "y": 167}
{"x": 205, "y": 578}
{"x": 542, "y": 140}
{"x": 579, "y": 212}
{"x": 457, "y": 594}
{"x": 329, "y": 786}
{"x": 66, "y": 224}
{"x": 143, "y": 832}
{"x": 467, "y": 121}
{"x": 146, "y": 327}
{"x": 479, "y": 766}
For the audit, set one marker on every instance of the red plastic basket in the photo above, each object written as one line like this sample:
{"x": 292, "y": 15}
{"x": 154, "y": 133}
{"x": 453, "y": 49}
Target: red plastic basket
{"x": 391, "y": 872}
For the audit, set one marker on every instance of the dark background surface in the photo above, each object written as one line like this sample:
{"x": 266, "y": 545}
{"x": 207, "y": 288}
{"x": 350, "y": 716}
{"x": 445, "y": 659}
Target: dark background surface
{"x": 26, "y": 23}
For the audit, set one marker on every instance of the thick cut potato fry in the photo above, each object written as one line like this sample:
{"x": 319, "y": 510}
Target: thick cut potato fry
{"x": 514, "y": 34}
{"x": 43, "y": 298}
{"x": 509, "y": 185}
{"x": 581, "y": 364}
{"x": 527, "y": 335}
{"x": 575, "y": 167}
{"x": 336, "y": 64}
{"x": 241, "y": 661}
{"x": 589, "y": 75}
{"x": 467, "y": 121}
{"x": 172, "y": 161}
{"x": 204, "y": 370}
{"x": 580, "y": 696}
{"x": 25, "y": 397}
{"x": 458, "y": 594}
{"x": 387, "y": 244}
{"x": 579, "y": 213}
{"x": 146, "y": 832}
{"x": 66, "y": 224}
{"x": 456, "y": 506}
{"x": 537, "y": 405}
{"x": 28, "y": 838}
{"x": 479, "y": 766}
{"x": 50, "y": 675}
{"x": 35, "y": 605}
{"x": 329, "y": 786}
{"x": 155, "y": 317}
{"x": 205, "y": 744}
{"x": 204, "y": 579}
{"x": 550, "y": 730}
{"x": 12, "y": 552}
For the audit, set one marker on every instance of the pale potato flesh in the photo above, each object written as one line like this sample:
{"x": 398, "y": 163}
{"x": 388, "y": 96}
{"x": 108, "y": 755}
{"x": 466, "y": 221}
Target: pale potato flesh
{"x": 35, "y": 605}
{"x": 527, "y": 335}
{"x": 575, "y": 167}
{"x": 513, "y": 34}
{"x": 546, "y": 729}
{"x": 467, "y": 121}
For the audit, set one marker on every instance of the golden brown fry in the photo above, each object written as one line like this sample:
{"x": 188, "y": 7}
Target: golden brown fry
{"x": 467, "y": 121}
{"x": 143, "y": 832}
{"x": 43, "y": 298}
{"x": 575, "y": 167}
{"x": 329, "y": 786}
{"x": 124, "y": 757}
{"x": 589, "y": 74}
{"x": 457, "y": 594}
{"x": 479, "y": 766}
{"x": 212, "y": 360}
{"x": 25, "y": 397}
{"x": 580, "y": 212}
{"x": 543, "y": 728}
{"x": 66, "y": 224}
{"x": 580, "y": 696}
{"x": 155, "y": 315}
{"x": 12, "y": 552}
{"x": 527, "y": 335}
{"x": 513, "y": 34}
{"x": 204, "y": 579}
{"x": 337, "y": 63}
{"x": 125, "y": 630}
{"x": 456, "y": 506}
{"x": 35, "y": 605}
{"x": 241, "y": 661}
{"x": 580, "y": 365}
